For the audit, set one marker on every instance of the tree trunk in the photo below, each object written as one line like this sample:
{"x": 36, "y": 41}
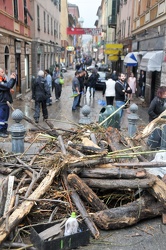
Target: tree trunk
{"x": 118, "y": 184}
{"x": 86, "y": 192}
{"x": 127, "y": 215}
{"x": 113, "y": 172}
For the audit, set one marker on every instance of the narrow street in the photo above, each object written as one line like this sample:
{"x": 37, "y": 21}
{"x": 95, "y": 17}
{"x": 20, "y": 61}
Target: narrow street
{"x": 60, "y": 113}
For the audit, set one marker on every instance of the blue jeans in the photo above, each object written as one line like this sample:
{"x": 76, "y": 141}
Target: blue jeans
{"x": 118, "y": 105}
{"x": 75, "y": 101}
{"x": 4, "y": 116}
{"x": 92, "y": 91}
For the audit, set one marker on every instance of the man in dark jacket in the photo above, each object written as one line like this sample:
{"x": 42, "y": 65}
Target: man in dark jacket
{"x": 92, "y": 82}
{"x": 121, "y": 90}
{"x": 5, "y": 96}
{"x": 40, "y": 93}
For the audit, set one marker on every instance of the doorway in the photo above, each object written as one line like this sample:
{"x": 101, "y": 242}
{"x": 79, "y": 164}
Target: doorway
{"x": 18, "y": 74}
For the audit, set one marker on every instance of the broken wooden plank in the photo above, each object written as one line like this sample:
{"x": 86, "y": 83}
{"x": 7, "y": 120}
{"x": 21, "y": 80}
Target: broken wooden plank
{"x": 158, "y": 189}
{"x": 51, "y": 231}
{"x": 24, "y": 208}
{"x": 86, "y": 192}
{"x": 9, "y": 193}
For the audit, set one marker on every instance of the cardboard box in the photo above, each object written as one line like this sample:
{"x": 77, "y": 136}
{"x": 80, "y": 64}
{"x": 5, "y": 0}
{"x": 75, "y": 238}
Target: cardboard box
{"x": 63, "y": 243}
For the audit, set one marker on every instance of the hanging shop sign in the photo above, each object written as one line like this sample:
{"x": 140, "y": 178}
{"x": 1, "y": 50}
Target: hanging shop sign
{"x": 112, "y": 51}
{"x": 84, "y": 31}
{"x": 114, "y": 46}
{"x": 70, "y": 48}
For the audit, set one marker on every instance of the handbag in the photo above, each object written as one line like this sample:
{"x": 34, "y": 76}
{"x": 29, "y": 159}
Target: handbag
{"x": 61, "y": 81}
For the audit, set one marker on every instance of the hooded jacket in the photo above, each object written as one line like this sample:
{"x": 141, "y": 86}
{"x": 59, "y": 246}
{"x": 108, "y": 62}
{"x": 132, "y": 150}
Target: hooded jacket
{"x": 40, "y": 89}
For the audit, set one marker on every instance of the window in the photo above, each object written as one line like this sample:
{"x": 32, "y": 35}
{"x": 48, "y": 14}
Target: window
{"x": 44, "y": 14}
{"x": 51, "y": 27}
{"x": 15, "y": 3}
{"x": 48, "y": 25}
{"x": 6, "y": 59}
{"x": 60, "y": 5}
{"x": 38, "y": 18}
{"x": 25, "y": 12}
{"x": 55, "y": 31}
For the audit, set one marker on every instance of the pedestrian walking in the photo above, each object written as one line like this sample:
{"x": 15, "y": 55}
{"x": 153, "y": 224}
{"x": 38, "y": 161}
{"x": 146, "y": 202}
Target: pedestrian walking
{"x": 40, "y": 93}
{"x": 81, "y": 82}
{"x": 157, "y": 106}
{"x": 5, "y": 96}
{"x": 58, "y": 87}
{"x": 76, "y": 90}
{"x": 49, "y": 82}
{"x": 132, "y": 84}
{"x": 92, "y": 82}
{"x": 122, "y": 89}
{"x": 86, "y": 82}
{"x": 109, "y": 90}
{"x": 142, "y": 84}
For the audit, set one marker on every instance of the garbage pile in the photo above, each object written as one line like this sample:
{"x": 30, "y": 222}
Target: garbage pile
{"x": 94, "y": 171}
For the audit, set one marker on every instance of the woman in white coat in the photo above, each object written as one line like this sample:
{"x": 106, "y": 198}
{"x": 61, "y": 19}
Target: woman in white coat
{"x": 109, "y": 91}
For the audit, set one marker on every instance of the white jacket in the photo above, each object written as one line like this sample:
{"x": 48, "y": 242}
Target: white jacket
{"x": 110, "y": 88}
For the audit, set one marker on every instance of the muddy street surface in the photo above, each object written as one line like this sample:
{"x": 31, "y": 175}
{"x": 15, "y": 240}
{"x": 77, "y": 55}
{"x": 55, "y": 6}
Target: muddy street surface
{"x": 148, "y": 234}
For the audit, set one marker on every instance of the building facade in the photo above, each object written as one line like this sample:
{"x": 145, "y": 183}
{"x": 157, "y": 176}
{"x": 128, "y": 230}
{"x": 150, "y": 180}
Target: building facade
{"x": 15, "y": 42}
{"x": 46, "y": 34}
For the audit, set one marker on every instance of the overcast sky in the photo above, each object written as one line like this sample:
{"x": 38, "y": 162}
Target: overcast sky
{"x": 88, "y": 10}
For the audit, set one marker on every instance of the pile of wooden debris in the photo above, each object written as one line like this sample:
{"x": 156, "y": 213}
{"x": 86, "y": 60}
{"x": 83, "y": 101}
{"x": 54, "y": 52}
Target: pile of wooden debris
{"x": 91, "y": 170}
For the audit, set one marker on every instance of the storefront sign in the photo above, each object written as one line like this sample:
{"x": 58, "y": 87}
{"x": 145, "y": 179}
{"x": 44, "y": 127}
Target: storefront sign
{"x": 84, "y": 31}
{"x": 114, "y": 46}
{"x": 70, "y": 48}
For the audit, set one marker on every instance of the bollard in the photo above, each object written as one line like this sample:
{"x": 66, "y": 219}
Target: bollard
{"x": 132, "y": 120}
{"x": 85, "y": 111}
{"x": 17, "y": 131}
{"x": 163, "y": 137}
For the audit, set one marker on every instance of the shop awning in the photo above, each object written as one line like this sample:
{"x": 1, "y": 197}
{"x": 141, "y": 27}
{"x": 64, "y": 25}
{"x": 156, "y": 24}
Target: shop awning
{"x": 152, "y": 61}
{"x": 131, "y": 59}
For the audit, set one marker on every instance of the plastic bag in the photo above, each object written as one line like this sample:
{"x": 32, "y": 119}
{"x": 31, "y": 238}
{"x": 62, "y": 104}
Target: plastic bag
{"x": 61, "y": 81}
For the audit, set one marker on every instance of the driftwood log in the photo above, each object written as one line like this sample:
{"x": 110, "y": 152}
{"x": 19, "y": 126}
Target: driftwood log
{"x": 139, "y": 164}
{"x": 120, "y": 184}
{"x": 129, "y": 214}
{"x": 86, "y": 192}
{"x": 113, "y": 172}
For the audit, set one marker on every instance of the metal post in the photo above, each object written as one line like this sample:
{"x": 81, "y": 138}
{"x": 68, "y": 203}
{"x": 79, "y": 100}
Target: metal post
{"x": 85, "y": 119}
{"x": 17, "y": 131}
{"x": 132, "y": 120}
